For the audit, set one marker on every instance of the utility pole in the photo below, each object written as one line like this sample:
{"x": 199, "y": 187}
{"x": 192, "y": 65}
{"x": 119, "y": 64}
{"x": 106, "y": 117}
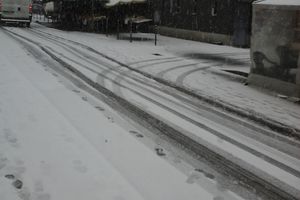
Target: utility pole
{"x": 118, "y": 23}
{"x": 93, "y": 16}
{"x": 131, "y": 29}
{"x": 155, "y": 34}
{"x": 156, "y": 22}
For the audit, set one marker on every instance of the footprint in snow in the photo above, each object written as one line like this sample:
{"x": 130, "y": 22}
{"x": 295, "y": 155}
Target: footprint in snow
{"x": 111, "y": 119}
{"x": 16, "y": 182}
{"x": 76, "y": 91}
{"x": 160, "y": 152}
{"x": 210, "y": 176}
{"x": 193, "y": 178}
{"x": 199, "y": 170}
{"x": 84, "y": 98}
{"x": 133, "y": 132}
{"x": 99, "y": 108}
{"x": 10, "y": 176}
{"x": 206, "y": 174}
{"x": 137, "y": 134}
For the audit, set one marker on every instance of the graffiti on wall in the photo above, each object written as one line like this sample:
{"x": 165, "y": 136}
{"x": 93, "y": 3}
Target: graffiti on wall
{"x": 284, "y": 70}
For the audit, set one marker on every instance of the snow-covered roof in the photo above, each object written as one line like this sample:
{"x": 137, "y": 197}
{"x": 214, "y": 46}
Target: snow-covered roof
{"x": 118, "y": 2}
{"x": 279, "y": 2}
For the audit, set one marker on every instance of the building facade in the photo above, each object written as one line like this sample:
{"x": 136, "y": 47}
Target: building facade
{"x": 217, "y": 21}
{"x": 98, "y": 15}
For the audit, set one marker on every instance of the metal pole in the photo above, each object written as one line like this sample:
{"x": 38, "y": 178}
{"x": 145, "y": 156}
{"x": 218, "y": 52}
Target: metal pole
{"x": 118, "y": 22}
{"x": 106, "y": 26}
{"x": 93, "y": 16}
{"x": 118, "y": 29}
{"x": 130, "y": 30}
{"x": 155, "y": 32}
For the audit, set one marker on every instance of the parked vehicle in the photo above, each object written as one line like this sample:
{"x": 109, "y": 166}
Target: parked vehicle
{"x": 16, "y": 11}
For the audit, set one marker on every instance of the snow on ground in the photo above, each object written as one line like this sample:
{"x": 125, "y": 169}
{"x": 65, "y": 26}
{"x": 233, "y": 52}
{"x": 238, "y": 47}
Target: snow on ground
{"x": 166, "y": 61}
{"x": 53, "y": 149}
{"x": 191, "y": 64}
{"x": 224, "y": 148}
{"x": 279, "y": 2}
{"x": 41, "y": 18}
{"x": 116, "y": 2}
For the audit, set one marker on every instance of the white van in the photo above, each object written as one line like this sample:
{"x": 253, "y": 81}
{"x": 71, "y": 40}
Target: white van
{"x": 16, "y": 11}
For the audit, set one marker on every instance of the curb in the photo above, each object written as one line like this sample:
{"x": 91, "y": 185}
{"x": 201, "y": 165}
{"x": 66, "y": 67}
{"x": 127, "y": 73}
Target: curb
{"x": 256, "y": 117}
{"x": 228, "y": 75}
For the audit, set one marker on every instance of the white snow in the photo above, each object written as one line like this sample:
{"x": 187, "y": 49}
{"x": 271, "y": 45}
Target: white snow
{"x": 60, "y": 147}
{"x": 140, "y": 54}
{"x": 109, "y": 145}
{"x": 116, "y": 2}
{"x": 279, "y": 2}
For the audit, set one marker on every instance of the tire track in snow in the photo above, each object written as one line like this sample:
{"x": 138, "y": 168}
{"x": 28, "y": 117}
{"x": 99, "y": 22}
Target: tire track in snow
{"x": 201, "y": 125}
{"x": 96, "y": 60}
{"x": 120, "y": 77}
{"x": 274, "y": 125}
{"x": 235, "y": 170}
{"x": 161, "y": 74}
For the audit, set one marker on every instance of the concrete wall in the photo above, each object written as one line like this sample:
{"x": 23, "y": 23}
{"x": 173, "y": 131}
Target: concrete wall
{"x": 272, "y": 53}
{"x": 196, "y": 35}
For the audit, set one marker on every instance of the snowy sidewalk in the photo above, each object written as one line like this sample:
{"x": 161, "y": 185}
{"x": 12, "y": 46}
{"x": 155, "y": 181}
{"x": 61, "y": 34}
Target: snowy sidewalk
{"x": 193, "y": 66}
{"x": 55, "y": 145}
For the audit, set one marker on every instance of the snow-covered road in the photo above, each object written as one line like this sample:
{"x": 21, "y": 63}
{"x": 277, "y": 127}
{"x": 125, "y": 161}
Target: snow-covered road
{"x": 62, "y": 147}
{"x": 271, "y": 159}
